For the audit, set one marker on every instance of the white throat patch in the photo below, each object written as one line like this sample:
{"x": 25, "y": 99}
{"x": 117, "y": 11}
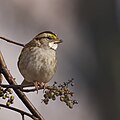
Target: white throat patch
{"x": 53, "y": 45}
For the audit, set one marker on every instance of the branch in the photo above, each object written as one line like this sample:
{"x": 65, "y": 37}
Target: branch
{"x": 4, "y": 70}
{"x": 11, "y": 86}
{"x": 19, "y": 111}
{"x": 20, "y": 87}
{"x": 10, "y": 41}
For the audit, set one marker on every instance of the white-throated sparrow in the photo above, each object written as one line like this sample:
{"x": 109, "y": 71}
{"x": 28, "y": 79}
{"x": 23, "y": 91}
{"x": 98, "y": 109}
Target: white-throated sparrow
{"x": 37, "y": 61}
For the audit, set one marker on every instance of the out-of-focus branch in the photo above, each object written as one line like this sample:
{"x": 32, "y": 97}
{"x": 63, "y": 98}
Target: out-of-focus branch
{"x": 4, "y": 70}
{"x": 19, "y": 111}
{"x": 10, "y": 41}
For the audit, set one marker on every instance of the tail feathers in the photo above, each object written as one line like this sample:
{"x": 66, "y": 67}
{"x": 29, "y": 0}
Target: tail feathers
{"x": 27, "y": 84}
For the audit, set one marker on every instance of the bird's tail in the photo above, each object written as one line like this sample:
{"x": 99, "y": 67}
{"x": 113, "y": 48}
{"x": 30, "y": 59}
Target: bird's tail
{"x": 27, "y": 84}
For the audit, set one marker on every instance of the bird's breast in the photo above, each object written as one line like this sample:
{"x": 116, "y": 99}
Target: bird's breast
{"x": 38, "y": 64}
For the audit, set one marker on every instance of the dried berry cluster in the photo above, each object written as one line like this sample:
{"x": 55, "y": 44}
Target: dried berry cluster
{"x": 62, "y": 91}
{"x": 6, "y": 95}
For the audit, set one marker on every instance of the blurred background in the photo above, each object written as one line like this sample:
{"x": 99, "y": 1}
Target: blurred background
{"x": 90, "y": 53}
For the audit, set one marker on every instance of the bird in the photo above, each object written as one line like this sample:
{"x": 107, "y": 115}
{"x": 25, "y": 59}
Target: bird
{"x": 38, "y": 60}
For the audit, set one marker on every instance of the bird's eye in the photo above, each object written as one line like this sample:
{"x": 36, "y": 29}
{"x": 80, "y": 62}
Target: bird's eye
{"x": 49, "y": 37}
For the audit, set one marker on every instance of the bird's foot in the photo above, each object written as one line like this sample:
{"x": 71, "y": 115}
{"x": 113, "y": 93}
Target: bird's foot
{"x": 44, "y": 87}
{"x": 36, "y": 86}
{"x": 40, "y": 85}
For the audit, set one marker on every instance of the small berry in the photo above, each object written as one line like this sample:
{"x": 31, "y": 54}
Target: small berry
{"x": 11, "y": 102}
{"x": 61, "y": 92}
{"x": 75, "y": 102}
{"x": 49, "y": 95}
{"x": 55, "y": 82}
{"x": 57, "y": 93}
{"x": 1, "y": 93}
{"x": 8, "y": 103}
{"x": 54, "y": 87}
{"x": 72, "y": 84}
{"x": 67, "y": 97}
{"x": 7, "y": 95}
{"x": 71, "y": 105}
{"x": 11, "y": 98}
{"x": 62, "y": 98}
{"x": 45, "y": 96}
{"x": 46, "y": 100}
{"x": 11, "y": 92}
{"x": 53, "y": 97}
{"x": 3, "y": 97}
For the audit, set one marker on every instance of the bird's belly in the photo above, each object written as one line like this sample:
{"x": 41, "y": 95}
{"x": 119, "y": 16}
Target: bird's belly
{"x": 39, "y": 65}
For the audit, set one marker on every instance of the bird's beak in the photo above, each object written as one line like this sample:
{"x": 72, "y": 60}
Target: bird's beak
{"x": 57, "y": 41}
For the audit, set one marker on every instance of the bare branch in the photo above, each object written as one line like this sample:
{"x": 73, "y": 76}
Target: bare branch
{"x": 11, "y": 86}
{"x": 22, "y": 87}
{"x": 20, "y": 94}
{"x": 10, "y": 41}
{"x": 19, "y": 111}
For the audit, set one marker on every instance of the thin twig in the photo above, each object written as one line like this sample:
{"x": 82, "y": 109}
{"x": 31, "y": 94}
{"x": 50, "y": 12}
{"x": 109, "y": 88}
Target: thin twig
{"x": 23, "y": 117}
{"x": 4, "y": 70}
{"x": 19, "y": 111}
{"x": 10, "y": 41}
